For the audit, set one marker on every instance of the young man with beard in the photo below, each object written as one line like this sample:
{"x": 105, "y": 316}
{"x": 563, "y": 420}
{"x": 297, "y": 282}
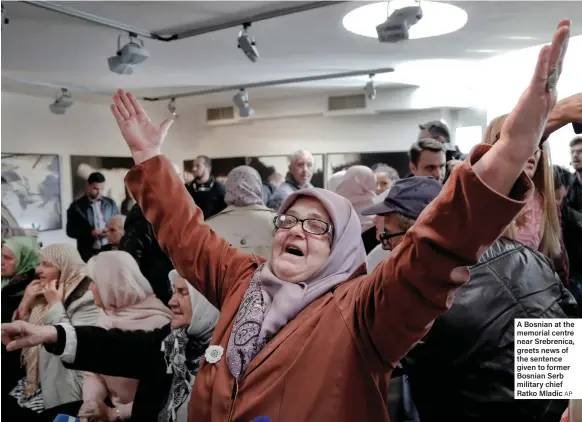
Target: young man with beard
{"x": 207, "y": 192}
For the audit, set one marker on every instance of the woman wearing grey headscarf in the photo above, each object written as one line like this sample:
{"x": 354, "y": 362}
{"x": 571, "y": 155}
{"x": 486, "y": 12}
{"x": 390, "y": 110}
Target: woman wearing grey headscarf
{"x": 246, "y": 222}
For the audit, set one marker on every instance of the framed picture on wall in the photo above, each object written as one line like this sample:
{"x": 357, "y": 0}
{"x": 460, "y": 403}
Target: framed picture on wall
{"x": 341, "y": 161}
{"x": 31, "y": 190}
{"x": 113, "y": 168}
{"x": 271, "y": 168}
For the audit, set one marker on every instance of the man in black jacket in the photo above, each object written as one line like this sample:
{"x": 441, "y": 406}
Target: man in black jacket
{"x": 207, "y": 192}
{"x": 463, "y": 369}
{"x": 87, "y": 217}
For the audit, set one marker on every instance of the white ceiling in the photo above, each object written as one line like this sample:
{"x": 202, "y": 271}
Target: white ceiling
{"x": 44, "y": 46}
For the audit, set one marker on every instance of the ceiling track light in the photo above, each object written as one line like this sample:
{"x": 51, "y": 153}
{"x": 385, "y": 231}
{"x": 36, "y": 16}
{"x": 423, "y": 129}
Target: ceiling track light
{"x": 247, "y": 43}
{"x": 62, "y": 103}
{"x": 241, "y": 101}
{"x": 172, "y": 108}
{"x": 397, "y": 25}
{"x": 370, "y": 88}
{"x": 127, "y": 56}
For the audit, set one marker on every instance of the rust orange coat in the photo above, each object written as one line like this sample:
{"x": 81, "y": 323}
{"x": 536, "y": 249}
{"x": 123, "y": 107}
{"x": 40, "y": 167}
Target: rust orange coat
{"x": 325, "y": 365}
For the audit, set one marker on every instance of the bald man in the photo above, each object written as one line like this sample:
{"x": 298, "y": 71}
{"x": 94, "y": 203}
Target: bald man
{"x": 298, "y": 177}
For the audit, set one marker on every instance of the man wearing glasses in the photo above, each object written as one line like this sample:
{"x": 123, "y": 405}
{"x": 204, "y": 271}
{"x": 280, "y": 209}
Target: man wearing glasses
{"x": 405, "y": 201}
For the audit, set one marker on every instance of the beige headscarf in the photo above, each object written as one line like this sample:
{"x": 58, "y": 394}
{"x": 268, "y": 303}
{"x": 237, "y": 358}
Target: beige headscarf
{"x": 72, "y": 267}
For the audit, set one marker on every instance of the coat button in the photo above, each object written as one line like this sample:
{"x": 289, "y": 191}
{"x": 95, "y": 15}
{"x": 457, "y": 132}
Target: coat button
{"x": 243, "y": 241}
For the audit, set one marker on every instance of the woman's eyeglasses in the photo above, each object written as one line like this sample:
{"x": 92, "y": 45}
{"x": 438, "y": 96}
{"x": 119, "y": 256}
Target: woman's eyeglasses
{"x": 309, "y": 225}
{"x": 385, "y": 237}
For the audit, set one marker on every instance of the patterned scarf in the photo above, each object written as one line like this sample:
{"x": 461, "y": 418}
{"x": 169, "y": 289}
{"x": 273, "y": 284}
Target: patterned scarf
{"x": 245, "y": 342}
{"x": 183, "y": 357}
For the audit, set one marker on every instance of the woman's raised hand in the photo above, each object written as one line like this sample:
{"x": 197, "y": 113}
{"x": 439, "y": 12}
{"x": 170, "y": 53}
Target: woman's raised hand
{"x": 143, "y": 138}
{"x": 526, "y": 123}
{"x": 20, "y": 335}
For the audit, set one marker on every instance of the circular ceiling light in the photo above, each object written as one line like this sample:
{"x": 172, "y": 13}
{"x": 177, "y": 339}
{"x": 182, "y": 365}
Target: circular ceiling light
{"x": 438, "y": 18}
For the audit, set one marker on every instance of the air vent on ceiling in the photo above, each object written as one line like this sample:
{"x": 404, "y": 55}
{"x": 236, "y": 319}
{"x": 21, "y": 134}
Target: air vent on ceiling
{"x": 346, "y": 102}
{"x": 219, "y": 113}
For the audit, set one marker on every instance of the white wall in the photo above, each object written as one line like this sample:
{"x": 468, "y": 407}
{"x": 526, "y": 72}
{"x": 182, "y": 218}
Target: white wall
{"x": 86, "y": 129}
{"x": 318, "y": 134}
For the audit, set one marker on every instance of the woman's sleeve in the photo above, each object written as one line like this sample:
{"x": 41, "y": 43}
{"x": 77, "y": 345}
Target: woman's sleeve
{"x": 199, "y": 255}
{"x": 118, "y": 353}
{"x": 94, "y": 387}
{"x": 396, "y": 305}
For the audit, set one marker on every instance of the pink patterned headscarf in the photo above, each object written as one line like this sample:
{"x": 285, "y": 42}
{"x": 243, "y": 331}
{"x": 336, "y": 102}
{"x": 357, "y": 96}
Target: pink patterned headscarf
{"x": 128, "y": 300}
{"x": 244, "y": 187}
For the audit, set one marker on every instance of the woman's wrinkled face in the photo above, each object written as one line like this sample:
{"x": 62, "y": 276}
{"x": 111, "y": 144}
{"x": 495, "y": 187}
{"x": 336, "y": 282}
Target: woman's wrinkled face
{"x": 297, "y": 255}
{"x": 181, "y": 305}
{"x": 47, "y": 272}
{"x": 532, "y": 164}
{"x": 9, "y": 262}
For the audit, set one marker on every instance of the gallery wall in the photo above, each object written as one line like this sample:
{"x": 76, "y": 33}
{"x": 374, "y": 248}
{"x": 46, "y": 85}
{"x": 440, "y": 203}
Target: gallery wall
{"x": 88, "y": 129}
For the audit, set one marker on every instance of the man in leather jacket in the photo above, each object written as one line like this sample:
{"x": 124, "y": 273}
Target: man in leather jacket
{"x": 463, "y": 369}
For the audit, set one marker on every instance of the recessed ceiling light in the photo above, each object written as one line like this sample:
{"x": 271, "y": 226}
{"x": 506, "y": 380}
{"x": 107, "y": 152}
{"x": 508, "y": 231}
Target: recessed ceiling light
{"x": 438, "y": 18}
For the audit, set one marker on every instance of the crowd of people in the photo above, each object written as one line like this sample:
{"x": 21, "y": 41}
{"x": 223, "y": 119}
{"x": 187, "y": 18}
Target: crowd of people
{"x": 383, "y": 297}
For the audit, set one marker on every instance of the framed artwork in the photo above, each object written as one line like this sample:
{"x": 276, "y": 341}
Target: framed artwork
{"x": 31, "y": 190}
{"x": 270, "y": 167}
{"x": 341, "y": 161}
{"x": 113, "y": 168}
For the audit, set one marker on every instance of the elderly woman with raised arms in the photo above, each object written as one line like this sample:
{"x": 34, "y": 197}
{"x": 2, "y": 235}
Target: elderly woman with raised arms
{"x": 307, "y": 335}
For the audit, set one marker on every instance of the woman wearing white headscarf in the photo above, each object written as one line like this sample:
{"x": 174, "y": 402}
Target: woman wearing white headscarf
{"x": 127, "y": 302}
{"x": 359, "y": 187}
{"x": 246, "y": 223}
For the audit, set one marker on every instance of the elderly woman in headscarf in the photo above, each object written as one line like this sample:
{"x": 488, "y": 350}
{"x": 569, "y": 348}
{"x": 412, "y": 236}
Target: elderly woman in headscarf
{"x": 127, "y": 302}
{"x": 246, "y": 223}
{"x": 60, "y": 295}
{"x": 20, "y": 257}
{"x": 307, "y": 335}
{"x": 359, "y": 187}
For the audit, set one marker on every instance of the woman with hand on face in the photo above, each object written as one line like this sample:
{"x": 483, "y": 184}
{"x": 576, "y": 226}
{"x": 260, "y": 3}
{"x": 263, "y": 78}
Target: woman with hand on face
{"x": 307, "y": 335}
{"x": 127, "y": 302}
{"x": 60, "y": 295}
{"x": 20, "y": 257}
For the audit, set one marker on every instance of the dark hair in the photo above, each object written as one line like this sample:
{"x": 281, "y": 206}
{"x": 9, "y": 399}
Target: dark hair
{"x": 436, "y": 128}
{"x": 562, "y": 177}
{"x": 577, "y": 140}
{"x": 96, "y": 178}
{"x": 424, "y": 144}
{"x": 206, "y": 159}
